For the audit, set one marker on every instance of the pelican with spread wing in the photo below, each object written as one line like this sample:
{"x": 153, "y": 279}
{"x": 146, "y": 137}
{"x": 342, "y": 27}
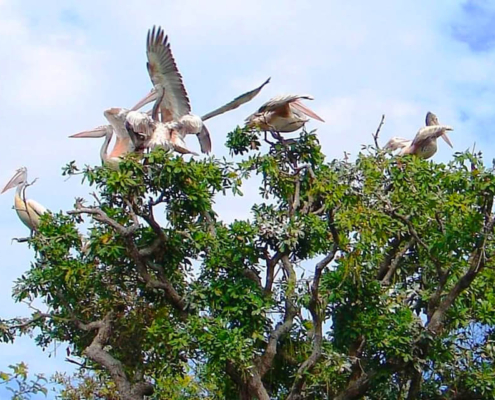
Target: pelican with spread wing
{"x": 28, "y": 210}
{"x": 285, "y": 113}
{"x": 424, "y": 144}
{"x": 170, "y": 96}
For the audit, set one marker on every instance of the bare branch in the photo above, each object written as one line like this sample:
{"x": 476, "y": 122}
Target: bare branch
{"x": 377, "y": 133}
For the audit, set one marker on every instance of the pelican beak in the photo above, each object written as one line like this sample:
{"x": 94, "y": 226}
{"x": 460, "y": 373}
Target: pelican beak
{"x": 98, "y": 132}
{"x": 151, "y": 96}
{"x": 446, "y": 138}
{"x": 19, "y": 177}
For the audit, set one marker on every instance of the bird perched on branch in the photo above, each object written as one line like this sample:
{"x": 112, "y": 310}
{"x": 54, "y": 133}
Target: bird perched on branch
{"x": 284, "y": 113}
{"x": 28, "y": 210}
{"x": 424, "y": 144}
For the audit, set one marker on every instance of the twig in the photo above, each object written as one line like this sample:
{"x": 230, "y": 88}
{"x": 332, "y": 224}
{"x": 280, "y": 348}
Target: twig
{"x": 377, "y": 133}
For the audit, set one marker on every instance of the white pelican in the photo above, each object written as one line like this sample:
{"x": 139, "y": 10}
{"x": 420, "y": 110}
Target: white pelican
{"x": 424, "y": 144}
{"x": 124, "y": 143}
{"x": 283, "y": 113}
{"x": 170, "y": 96}
{"x": 29, "y": 211}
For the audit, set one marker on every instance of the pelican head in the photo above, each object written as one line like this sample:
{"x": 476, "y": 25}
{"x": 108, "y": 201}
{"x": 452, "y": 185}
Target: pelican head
{"x": 431, "y": 119}
{"x": 19, "y": 178}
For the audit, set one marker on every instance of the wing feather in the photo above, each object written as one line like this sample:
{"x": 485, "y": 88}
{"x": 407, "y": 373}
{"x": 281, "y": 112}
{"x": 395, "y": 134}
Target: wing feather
{"x": 164, "y": 72}
{"x": 281, "y": 101}
{"x": 429, "y": 132}
{"x": 36, "y": 207}
{"x": 237, "y": 102}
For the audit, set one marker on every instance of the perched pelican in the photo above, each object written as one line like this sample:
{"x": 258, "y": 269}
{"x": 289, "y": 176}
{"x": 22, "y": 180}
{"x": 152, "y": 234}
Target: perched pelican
{"x": 283, "y": 113}
{"x": 124, "y": 143}
{"x": 29, "y": 211}
{"x": 424, "y": 144}
{"x": 170, "y": 96}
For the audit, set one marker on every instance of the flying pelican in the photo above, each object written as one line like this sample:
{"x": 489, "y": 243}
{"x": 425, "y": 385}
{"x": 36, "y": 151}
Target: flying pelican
{"x": 29, "y": 211}
{"x": 283, "y": 113}
{"x": 170, "y": 96}
{"x": 124, "y": 143}
{"x": 424, "y": 144}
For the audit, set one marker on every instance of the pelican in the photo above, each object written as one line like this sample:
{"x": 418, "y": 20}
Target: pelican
{"x": 284, "y": 113}
{"x": 170, "y": 96}
{"x": 124, "y": 143}
{"x": 424, "y": 144}
{"x": 29, "y": 211}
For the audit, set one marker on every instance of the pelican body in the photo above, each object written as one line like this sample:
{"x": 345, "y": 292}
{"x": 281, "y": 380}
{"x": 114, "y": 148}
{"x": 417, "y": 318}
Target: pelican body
{"x": 28, "y": 210}
{"x": 170, "y": 96}
{"x": 424, "y": 144}
{"x": 285, "y": 113}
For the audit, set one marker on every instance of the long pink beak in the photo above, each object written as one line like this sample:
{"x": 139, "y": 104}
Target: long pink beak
{"x": 92, "y": 133}
{"x": 151, "y": 96}
{"x": 301, "y": 107}
{"x": 446, "y": 138}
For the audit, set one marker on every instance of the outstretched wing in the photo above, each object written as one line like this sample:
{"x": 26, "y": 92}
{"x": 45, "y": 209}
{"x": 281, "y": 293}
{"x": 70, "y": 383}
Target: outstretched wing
{"x": 164, "y": 73}
{"x": 430, "y": 132}
{"x": 282, "y": 101}
{"x": 238, "y": 101}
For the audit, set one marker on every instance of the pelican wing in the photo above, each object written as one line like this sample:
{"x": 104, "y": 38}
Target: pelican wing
{"x": 164, "y": 73}
{"x": 204, "y": 140}
{"x": 282, "y": 101}
{"x": 430, "y": 132}
{"x": 238, "y": 101}
{"x": 179, "y": 145}
{"x": 397, "y": 143}
{"x": 36, "y": 207}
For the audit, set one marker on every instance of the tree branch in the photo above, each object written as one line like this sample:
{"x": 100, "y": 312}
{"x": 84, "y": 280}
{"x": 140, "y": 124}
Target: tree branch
{"x": 284, "y": 327}
{"x": 377, "y": 133}
{"x": 95, "y": 351}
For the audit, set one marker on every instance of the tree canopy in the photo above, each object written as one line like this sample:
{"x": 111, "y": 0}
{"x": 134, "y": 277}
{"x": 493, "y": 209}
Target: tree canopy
{"x": 372, "y": 277}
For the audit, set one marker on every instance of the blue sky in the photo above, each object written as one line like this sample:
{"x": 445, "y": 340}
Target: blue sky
{"x": 63, "y": 65}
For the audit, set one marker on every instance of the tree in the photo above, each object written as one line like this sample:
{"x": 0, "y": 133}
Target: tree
{"x": 368, "y": 278}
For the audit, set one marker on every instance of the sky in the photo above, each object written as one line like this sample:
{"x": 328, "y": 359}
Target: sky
{"x": 63, "y": 65}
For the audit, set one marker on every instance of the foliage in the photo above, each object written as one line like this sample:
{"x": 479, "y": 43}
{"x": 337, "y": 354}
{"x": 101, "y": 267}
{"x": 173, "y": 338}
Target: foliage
{"x": 373, "y": 277}
{"x": 19, "y": 385}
